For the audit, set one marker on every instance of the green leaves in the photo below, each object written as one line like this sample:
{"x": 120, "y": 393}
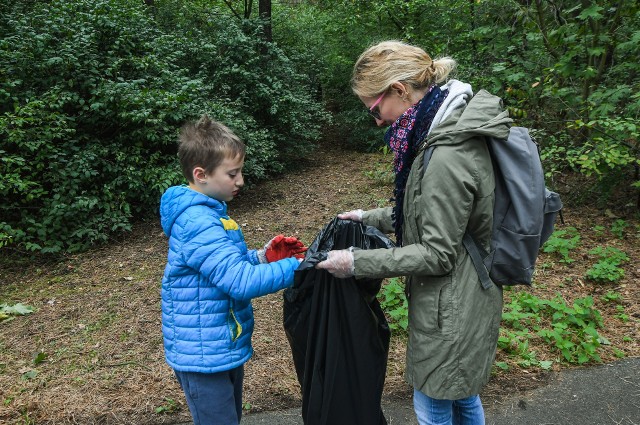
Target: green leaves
{"x": 562, "y": 242}
{"x": 582, "y": 56}
{"x": 170, "y": 405}
{"x": 39, "y": 357}
{"x": 569, "y": 329}
{"x": 8, "y": 312}
{"x": 96, "y": 93}
{"x": 394, "y": 303}
{"x": 591, "y": 12}
{"x": 607, "y": 269}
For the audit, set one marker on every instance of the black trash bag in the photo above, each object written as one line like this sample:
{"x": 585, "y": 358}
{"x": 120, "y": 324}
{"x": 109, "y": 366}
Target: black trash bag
{"x": 338, "y": 334}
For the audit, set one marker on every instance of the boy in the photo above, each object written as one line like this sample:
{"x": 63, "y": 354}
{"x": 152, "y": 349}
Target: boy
{"x": 211, "y": 276}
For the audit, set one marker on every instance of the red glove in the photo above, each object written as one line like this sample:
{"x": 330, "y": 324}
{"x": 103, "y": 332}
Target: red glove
{"x": 283, "y": 247}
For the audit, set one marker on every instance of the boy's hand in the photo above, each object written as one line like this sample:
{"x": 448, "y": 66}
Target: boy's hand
{"x": 283, "y": 247}
{"x": 339, "y": 263}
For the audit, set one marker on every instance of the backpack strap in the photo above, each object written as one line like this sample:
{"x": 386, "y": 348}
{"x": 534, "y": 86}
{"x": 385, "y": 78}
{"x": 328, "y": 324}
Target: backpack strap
{"x": 427, "y": 157}
{"x": 477, "y": 254}
{"x": 475, "y": 251}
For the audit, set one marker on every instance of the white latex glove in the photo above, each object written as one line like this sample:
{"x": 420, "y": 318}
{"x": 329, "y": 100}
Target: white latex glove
{"x": 339, "y": 263}
{"x": 262, "y": 253}
{"x": 355, "y": 215}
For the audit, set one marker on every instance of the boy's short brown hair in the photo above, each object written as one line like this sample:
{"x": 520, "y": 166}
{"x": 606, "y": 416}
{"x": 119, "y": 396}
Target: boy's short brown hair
{"x": 206, "y": 143}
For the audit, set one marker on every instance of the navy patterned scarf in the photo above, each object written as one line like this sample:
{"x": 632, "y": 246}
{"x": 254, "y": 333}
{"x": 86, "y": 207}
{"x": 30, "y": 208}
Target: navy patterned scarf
{"x": 404, "y": 137}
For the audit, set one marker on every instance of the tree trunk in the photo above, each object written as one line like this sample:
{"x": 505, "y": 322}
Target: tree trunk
{"x": 264, "y": 9}
{"x": 472, "y": 18}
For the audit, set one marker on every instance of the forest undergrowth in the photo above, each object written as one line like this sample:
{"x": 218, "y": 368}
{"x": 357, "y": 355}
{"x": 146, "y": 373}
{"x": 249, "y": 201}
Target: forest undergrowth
{"x": 88, "y": 348}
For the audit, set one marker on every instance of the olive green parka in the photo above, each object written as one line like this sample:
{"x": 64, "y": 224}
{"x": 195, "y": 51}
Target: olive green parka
{"x": 453, "y": 321}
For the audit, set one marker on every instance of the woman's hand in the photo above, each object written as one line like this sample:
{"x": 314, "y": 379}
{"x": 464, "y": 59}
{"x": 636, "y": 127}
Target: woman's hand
{"x": 339, "y": 263}
{"x": 355, "y": 215}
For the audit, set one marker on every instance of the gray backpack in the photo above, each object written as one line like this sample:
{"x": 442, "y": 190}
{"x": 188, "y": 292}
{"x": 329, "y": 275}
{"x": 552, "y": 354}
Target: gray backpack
{"x": 523, "y": 214}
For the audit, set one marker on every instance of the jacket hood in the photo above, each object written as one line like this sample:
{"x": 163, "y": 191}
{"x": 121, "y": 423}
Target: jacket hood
{"x": 483, "y": 115}
{"x": 178, "y": 198}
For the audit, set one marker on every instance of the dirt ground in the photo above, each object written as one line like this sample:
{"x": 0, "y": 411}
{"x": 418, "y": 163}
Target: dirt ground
{"x": 91, "y": 353}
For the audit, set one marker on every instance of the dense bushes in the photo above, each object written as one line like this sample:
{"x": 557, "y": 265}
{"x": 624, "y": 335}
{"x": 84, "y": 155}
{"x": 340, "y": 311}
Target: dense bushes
{"x": 92, "y": 93}
{"x": 566, "y": 69}
{"x": 569, "y": 71}
{"x": 93, "y": 96}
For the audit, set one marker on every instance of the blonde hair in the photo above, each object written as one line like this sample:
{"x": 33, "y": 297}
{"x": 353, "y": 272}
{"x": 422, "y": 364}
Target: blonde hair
{"x": 206, "y": 143}
{"x": 383, "y": 64}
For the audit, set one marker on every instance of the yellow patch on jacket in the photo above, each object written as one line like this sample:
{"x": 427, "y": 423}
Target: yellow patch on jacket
{"x": 234, "y": 326}
{"x": 229, "y": 224}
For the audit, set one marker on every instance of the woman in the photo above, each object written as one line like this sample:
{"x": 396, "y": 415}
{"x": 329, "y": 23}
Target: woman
{"x": 453, "y": 321}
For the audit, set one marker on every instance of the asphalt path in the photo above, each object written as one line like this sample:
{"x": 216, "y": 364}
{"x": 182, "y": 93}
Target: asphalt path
{"x": 597, "y": 395}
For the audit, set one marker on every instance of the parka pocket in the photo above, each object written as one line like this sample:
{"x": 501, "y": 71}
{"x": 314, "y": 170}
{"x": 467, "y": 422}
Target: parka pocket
{"x": 235, "y": 328}
{"x": 431, "y": 306}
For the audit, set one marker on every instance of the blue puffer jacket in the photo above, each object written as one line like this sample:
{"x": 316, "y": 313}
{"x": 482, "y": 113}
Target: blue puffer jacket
{"x": 208, "y": 284}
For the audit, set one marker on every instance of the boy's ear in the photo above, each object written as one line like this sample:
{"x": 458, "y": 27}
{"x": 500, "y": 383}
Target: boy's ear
{"x": 199, "y": 175}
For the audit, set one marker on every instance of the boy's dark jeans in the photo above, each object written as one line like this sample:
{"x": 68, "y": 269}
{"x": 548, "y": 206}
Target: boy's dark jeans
{"x": 213, "y": 398}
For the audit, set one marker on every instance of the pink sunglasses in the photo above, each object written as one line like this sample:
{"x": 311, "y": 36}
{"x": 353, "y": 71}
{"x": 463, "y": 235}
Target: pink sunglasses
{"x": 374, "y": 111}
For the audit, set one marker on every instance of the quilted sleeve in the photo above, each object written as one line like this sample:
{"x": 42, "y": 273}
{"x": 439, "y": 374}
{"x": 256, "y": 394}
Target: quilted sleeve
{"x": 220, "y": 262}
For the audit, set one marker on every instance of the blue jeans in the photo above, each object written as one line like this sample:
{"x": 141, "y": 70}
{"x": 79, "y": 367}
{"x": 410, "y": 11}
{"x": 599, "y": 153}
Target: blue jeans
{"x": 213, "y": 398}
{"x": 466, "y": 411}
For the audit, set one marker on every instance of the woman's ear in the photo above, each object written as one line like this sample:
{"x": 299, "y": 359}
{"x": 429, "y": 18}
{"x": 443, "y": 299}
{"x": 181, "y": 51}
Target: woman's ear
{"x": 400, "y": 89}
